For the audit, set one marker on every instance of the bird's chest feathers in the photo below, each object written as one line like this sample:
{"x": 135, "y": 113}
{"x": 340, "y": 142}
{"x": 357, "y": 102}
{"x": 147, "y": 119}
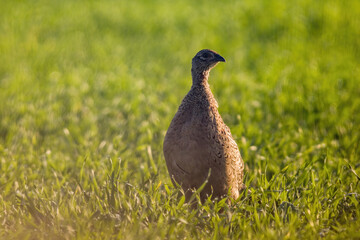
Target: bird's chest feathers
{"x": 202, "y": 121}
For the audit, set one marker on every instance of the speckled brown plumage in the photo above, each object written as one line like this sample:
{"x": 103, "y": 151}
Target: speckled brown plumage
{"x": 198, "y": 139}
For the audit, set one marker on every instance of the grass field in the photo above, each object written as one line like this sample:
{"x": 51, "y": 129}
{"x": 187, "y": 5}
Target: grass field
{"x": 88, "y": 89}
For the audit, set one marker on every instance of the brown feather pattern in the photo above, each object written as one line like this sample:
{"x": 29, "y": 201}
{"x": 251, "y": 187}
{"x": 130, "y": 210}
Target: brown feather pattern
{"x": 198, "y": 139}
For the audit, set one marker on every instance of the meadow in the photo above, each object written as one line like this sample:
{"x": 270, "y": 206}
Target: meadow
{"x": 88, "y": 89}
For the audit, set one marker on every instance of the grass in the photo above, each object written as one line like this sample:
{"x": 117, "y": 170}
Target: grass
{"x": 89, "y": 88}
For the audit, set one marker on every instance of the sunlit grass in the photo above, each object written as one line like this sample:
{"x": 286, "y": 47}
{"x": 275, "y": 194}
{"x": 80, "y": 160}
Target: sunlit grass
{"x": 88, "y": 89}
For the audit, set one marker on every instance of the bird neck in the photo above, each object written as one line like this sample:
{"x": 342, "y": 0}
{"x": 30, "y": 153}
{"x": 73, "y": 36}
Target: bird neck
{"x": 201, "y": 84}
{"x": 200, "y": 77}
{"x": 200, "y": 89}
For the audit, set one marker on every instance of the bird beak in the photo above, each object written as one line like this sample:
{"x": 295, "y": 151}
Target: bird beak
{"x": 219, "y": 58}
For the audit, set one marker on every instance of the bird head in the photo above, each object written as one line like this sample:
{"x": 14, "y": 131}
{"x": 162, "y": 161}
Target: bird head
{"x": 205, "y": 60}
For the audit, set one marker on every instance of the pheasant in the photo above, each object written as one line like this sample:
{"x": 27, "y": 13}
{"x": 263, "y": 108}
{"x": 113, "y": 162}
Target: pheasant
{"x": 198, "y": 145}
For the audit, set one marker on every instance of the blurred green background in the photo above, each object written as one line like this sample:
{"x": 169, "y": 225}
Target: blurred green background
{"x": 88, "y": 89}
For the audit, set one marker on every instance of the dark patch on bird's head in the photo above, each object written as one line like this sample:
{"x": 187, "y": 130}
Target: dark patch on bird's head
{"x": 205, "y": 60}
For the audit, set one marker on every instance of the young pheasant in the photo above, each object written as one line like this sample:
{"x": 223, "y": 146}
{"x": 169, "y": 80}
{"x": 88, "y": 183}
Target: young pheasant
{"x": 198, "y": 142}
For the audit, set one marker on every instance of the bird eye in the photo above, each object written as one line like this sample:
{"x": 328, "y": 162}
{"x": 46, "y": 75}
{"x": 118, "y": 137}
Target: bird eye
{"x": 205, "y": 56}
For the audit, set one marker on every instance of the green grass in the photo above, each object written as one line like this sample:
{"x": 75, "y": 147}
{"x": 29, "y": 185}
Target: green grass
{"x": 88, "y": 89}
